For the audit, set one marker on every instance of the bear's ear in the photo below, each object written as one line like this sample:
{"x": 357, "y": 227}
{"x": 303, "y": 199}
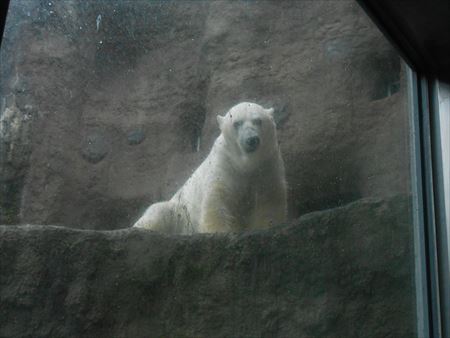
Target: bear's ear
{"x": 220, "y": 121}
{"x": 270, "y": 111}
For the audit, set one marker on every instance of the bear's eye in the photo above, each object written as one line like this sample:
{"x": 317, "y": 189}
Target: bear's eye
{"x": 257, "y": 122}
{"x": 237, "y": 124}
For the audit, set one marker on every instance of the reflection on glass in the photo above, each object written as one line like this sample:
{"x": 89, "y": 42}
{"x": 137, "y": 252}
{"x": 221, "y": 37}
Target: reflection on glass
{"x": 444, "y": 116}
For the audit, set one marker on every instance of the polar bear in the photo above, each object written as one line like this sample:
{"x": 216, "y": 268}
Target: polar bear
{"x": 240, "y": 185}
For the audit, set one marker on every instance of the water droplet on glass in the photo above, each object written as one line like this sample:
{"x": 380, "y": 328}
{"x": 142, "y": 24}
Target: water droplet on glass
{"x": 98, "y": 21}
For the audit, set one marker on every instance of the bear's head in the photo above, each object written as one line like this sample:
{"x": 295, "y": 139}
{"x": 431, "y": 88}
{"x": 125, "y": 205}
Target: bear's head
{"x": 249, "y": 128}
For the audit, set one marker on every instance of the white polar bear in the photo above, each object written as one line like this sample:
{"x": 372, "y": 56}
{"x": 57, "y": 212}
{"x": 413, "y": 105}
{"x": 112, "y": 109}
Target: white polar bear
{"x": 240, "y": 185}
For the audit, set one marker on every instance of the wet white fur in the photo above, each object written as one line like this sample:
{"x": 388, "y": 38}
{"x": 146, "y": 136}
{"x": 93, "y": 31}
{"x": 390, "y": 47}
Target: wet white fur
{"x": 231, "y": 190}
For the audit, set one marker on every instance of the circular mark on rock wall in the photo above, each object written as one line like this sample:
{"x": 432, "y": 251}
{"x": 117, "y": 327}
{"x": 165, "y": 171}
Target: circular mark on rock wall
{"x": 135, "y": 137}
{"x": 95, "y": 145}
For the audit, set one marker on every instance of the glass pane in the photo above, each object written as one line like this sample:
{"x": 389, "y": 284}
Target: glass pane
{"x": 108, "y": 107}
{"x": 444, "y": 115}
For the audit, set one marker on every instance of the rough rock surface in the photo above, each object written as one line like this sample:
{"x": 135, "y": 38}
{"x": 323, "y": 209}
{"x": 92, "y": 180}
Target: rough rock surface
{"x": 109, "y": 106}
{"x": 344, "y": 272}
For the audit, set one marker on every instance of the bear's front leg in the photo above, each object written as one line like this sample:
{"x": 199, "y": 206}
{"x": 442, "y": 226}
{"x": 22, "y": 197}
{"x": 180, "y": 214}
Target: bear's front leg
{"x": 217, "y": 220}
{"x": 271, "y": 207}
{"x": 216, "y": 216}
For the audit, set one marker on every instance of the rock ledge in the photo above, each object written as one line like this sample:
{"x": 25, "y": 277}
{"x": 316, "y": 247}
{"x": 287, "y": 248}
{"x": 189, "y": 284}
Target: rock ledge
{"x": 344, "y": 272}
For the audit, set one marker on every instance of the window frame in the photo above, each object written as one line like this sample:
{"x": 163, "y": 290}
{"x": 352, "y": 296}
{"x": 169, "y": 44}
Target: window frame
{"x": 431, "y": 238}
{"x": 4, "y": 5}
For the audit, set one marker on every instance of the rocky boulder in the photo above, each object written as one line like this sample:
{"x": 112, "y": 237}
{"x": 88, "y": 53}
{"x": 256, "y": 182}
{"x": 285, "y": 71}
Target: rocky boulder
{"x": 343, "y": 272}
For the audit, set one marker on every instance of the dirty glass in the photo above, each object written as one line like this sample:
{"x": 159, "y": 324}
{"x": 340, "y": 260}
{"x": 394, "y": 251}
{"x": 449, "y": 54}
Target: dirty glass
{"x": 109, "y": 106}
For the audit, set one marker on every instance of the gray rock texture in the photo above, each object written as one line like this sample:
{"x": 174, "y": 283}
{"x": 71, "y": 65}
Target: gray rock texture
{"x": 344, "y": 272}
{"x": 109, "y": 106}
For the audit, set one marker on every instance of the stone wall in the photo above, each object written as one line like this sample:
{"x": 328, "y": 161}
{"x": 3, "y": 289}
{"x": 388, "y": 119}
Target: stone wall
{"x": 109, "y": 107}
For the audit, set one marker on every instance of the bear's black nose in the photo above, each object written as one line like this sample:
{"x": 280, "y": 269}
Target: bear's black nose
{"x": 252, "y": 143}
